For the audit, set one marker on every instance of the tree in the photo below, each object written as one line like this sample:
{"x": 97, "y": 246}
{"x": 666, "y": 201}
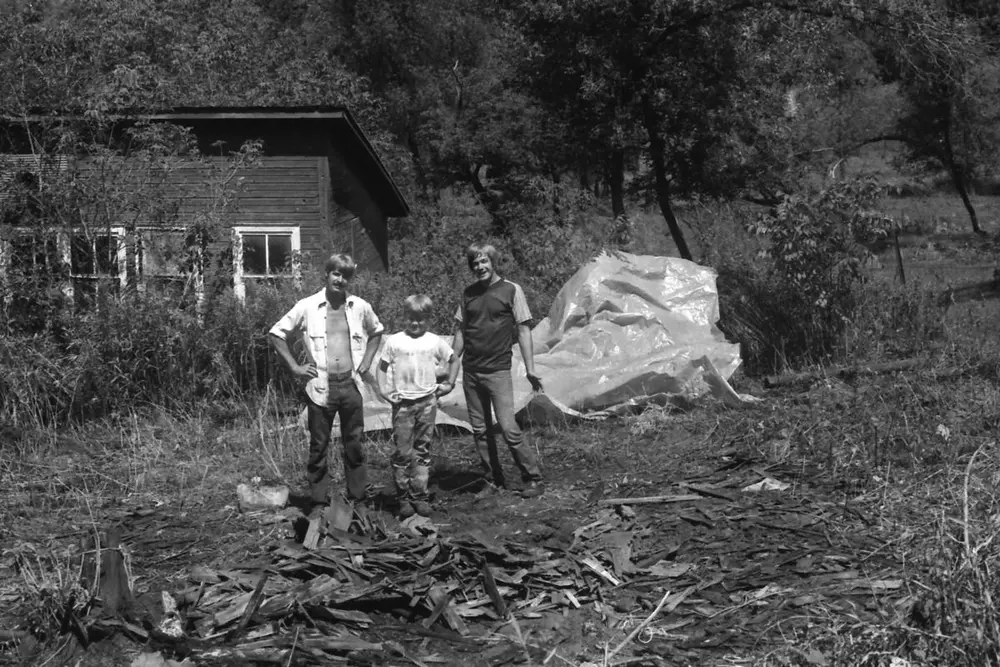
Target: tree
{"x": 677, "y": 71}
{"x": 953, "y": 96}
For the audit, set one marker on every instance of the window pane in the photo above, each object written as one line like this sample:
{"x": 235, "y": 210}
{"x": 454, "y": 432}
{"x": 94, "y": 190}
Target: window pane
{"x": 88, "y": 292}
{"x": 162, "y": 252}
{"x": 30, "y": 254}
{"x": 82, "y": 255}
{"x": 279, "y": 247}
{"x": 255, "y": 254}
{"x": 107, "y": 255}
{"x": 97, "y": 257}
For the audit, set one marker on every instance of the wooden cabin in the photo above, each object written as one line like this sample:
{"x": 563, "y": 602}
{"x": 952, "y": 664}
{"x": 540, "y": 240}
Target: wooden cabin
{"x": 317, "y": 187}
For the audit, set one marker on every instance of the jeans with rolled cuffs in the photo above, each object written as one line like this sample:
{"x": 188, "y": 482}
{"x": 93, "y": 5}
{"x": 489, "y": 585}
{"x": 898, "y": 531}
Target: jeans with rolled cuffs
{"x": 492, "y": 394}
{"x": 413, "y": 431}
{"x": 343, "y": 399}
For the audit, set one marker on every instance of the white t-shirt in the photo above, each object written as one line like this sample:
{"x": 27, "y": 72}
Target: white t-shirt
{"x": 413, "y": 363}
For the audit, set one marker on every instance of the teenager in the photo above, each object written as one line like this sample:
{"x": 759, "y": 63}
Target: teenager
{"x": 492, "y": 314}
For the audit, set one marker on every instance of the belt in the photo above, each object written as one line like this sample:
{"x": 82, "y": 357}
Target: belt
{"x": 340, "y": 377}
{"x": 414, "y": 401}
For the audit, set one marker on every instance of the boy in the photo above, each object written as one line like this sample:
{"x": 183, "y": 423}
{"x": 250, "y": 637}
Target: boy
{"x": 342, "y": 335}
{"x": 414, "y": 356}
{"x": 492, "y": 309}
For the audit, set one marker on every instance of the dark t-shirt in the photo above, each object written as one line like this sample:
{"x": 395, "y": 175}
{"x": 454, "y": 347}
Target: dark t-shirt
{"x": 489, "y": 316}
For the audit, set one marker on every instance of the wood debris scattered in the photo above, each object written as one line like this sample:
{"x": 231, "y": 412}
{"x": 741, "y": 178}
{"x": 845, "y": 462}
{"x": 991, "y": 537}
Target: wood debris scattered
{"x": 737, "y": 562}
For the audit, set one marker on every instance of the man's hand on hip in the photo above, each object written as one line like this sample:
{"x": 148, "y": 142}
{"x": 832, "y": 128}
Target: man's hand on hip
{"x": 305, "y": 372}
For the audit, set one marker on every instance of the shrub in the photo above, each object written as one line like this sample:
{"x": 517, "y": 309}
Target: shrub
{"x": 141, "y": 349}
{"x": 792, "y": 304}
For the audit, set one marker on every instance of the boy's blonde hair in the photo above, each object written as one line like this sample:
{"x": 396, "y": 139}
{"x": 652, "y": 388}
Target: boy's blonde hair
{"x": 343, "y": 263}
{"x": 418, "y": 304}
{"x": 477, "y": 249}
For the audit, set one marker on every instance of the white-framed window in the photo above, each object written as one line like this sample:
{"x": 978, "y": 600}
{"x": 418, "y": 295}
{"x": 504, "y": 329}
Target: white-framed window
{"x": 97, "y": 263}
{"x": 163, "y": 261}
{"x": 83, "y": 264}
{"x": 264, "y": 254}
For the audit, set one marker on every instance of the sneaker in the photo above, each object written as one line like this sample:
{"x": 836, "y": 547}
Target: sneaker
{"x": 533, "y": 489}
{"x": 406, "y": 509}
{"x": 422, "y": 507}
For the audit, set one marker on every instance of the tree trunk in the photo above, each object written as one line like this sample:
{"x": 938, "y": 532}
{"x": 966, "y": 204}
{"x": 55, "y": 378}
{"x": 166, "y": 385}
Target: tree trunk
{"x": 958, "y": 179}
{"x": 584, "y": 174}
{"x": 617, "y": 180}
{"x": 501, "y": 225}
{"x": 657, "y": 148}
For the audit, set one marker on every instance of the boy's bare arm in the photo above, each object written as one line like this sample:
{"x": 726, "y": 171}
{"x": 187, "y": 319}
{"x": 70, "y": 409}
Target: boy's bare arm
{"x": 381, "y": 379}
{"x": 301, "y": 372}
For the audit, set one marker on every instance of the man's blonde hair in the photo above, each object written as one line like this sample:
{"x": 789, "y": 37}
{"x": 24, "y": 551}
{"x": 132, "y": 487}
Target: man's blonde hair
{"x": 478, "y": 249}
{"x": 343, "y": 263}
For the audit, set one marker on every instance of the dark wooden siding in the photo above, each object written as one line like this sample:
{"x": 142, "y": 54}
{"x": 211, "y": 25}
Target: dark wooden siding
{"x": 282, "y": 191}
{"x": 358, "y": 225}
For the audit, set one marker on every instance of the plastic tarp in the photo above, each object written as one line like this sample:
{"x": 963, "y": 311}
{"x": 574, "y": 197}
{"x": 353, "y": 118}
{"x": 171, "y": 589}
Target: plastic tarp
{"x": 624, "y": 331}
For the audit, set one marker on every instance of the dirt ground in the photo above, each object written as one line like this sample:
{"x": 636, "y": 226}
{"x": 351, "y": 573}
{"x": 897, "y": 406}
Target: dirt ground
{"x": 654, "y": 543}
{"x": 753, "y": 573}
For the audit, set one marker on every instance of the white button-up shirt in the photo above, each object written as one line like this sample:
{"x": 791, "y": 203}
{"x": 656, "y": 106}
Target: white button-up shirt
{"x": 308, "y": 317}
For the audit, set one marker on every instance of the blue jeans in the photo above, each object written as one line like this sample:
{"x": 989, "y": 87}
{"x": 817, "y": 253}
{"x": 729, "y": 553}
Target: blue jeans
{"x": 495, "y": 391}
{"x": 413, "y": 431}
{"x": 345, "y": 400}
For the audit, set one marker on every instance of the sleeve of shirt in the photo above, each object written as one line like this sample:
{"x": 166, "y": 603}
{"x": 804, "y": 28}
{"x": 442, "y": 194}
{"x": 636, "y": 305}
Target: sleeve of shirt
{"x": 521, "y": 313}
{"x": 444, "y": 351}
{"x": 289, "y": 323}
{"x": 388, "y": 351}
{"x": 373, "y": 326}
{"x": 458, "y": 314}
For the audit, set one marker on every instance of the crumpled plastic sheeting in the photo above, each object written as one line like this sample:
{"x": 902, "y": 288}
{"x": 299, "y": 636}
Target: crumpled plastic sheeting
{"x": 624, "y": 331}
{"x": 628, "y": 327}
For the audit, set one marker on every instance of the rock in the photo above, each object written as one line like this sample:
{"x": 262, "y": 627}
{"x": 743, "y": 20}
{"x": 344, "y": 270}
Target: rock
{"x": 252, "y": 497}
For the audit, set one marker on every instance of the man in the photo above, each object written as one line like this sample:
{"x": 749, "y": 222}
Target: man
{"x": 342, "y": 335}
{"x": 491, "y": 311}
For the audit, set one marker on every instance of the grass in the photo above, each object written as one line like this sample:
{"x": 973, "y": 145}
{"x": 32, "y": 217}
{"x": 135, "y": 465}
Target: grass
{"x": 916, "y": 451}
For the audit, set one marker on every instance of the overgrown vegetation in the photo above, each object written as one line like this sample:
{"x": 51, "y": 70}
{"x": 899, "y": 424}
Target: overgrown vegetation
{"x": 557, "y": 131}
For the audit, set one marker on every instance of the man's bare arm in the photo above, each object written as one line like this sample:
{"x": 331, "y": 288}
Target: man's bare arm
{"x": 370, "y": 349}
{"x": 458, "y": 347}
{"x": 528, "y": 355}
{"x": 301, "y": 372}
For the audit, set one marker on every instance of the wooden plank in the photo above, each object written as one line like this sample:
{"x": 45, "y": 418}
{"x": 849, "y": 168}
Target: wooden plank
{"x": 442, "y": 600}
{"x": 323, "y": 188}
{"x": 304, "y": 185}
{"x": 647, "y": 500}
{"x": 252, "y": 606}
{"x": 259, "y": 203}
{"x": 709, "y": 491}
{"x": 339, "y": 515}
{"x": 317, "y": 525}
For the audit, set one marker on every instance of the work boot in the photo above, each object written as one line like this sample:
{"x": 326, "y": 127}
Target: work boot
{"x": 532, "y": 489}
{"x": 317, "y": 511}
{"x": 406, "y": 509}
{"x": 422, "y": 507}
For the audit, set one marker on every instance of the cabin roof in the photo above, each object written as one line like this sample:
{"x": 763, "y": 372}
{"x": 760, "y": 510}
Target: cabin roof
{"x": 343, "y": 128}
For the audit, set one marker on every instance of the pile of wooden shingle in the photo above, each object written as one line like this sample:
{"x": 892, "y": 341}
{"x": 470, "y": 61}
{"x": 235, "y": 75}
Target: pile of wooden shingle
{"x": 337, "y": 587}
